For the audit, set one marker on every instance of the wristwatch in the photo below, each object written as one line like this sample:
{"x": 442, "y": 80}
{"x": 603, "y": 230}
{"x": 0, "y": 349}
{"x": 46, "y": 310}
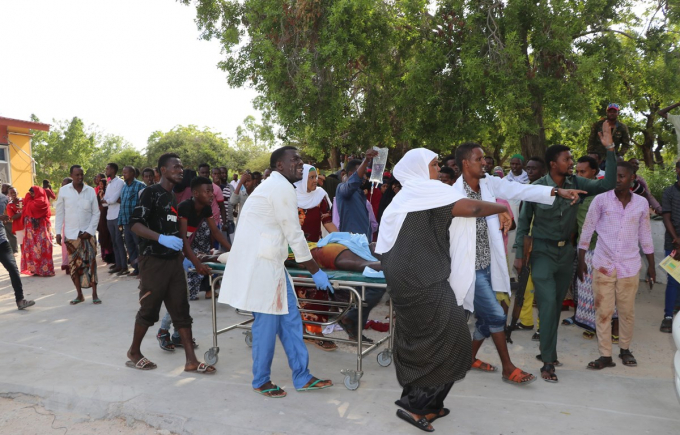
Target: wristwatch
{"x": 610, "y": 147}
{"x": 555, "y": 189}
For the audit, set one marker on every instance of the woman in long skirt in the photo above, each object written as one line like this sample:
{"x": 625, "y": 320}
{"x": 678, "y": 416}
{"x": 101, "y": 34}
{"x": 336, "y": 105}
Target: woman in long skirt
{"x": 432, "y": 341}
{"x": 36, "y": 256}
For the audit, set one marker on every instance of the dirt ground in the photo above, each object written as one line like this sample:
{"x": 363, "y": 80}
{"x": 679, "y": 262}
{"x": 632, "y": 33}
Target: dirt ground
{"x": 23, "y": 415}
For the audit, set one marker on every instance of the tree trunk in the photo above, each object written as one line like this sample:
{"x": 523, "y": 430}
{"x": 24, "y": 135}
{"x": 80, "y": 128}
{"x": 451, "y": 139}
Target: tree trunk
{"x": 533, "y": 144}
{"x": 648, "y": 143}
{"x": 334, "y": 158}
{"x": 647, "y": 146}
{"x": 657, "y": 152}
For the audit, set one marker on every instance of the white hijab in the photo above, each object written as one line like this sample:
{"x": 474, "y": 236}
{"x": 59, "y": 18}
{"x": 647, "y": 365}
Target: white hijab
{"x": 418, "y": 192}
{"x": 307, "y": 200}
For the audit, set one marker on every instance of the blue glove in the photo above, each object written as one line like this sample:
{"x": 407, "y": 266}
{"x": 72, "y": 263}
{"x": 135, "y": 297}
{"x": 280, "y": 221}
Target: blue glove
{"x": 186, "y": 264}
{"x": 171, "y": 242}
{"x": 322, "y": 282}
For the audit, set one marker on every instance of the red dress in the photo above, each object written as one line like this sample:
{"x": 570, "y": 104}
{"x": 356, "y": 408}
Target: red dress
{"x": 36, "y": 255}
{"x": 314, "y": 217}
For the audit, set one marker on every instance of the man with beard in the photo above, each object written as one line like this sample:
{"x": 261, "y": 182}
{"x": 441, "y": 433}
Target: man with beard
{"x": 256, "y": 280}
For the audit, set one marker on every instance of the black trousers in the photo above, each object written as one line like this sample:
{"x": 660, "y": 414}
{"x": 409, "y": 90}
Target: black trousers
{"x": 372, "y": 297}
{"x": 424, "y": 400}
{"x": 7, "y": 260}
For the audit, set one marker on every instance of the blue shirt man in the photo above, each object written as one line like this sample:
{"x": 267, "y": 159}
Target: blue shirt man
{"x": 129, "y": 198}
{"x": 351, "y": 201}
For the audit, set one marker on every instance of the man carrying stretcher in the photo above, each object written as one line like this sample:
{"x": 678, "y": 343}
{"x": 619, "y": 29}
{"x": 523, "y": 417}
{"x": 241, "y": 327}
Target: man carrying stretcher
{"x": 256, "y": 280}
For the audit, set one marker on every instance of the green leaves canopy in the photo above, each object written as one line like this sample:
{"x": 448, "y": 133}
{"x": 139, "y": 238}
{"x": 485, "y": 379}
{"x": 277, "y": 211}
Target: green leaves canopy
{"x": 343, "y": 75}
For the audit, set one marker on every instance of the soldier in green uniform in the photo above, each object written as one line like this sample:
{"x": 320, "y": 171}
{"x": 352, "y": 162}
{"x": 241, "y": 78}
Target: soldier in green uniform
{"x": 552, "y": 259}
{"x": 618, "y": 130}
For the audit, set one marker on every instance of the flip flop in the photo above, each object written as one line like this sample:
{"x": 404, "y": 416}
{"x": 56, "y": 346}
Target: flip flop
{"x": 479, "y": 364}
{"x": 421, "y": 424}
{"x": 142, "y": 364}
{"x": 313, "y": 386}
{"x": 516, "y": 377}
{"x": 96, "y": 301}
{"x": 203, "y": 369}
{"x": 76, "y": 302}
{"x": 267, "y": 393}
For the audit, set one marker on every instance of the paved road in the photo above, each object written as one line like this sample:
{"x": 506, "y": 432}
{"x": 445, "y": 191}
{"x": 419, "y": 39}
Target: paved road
{"x": 72, "y": 357}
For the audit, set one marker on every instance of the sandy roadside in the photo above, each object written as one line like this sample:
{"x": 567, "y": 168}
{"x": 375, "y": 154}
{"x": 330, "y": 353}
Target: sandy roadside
{"x": 23, "y": 415}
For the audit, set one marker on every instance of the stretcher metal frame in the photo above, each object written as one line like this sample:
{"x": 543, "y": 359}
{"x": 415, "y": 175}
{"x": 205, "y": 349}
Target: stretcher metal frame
{"x": 352, "y": 377}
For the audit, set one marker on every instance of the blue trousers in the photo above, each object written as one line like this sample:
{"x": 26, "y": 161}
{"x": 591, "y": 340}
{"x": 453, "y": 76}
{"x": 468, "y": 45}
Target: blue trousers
{"x": 289, "y": 329}
{"x": 672, "y": 292}
{"x": 489, "y": 313}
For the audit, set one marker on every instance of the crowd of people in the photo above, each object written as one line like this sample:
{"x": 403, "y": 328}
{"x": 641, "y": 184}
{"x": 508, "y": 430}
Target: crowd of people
{"x": 437, "y": 228}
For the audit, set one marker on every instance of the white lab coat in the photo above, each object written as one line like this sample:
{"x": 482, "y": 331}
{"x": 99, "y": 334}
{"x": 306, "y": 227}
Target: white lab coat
{"x": 463, "y": 238}
{"x": 255, "y": 277}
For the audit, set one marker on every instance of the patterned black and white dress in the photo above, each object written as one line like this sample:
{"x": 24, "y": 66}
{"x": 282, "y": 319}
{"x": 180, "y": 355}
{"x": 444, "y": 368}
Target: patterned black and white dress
{"x": 432, "y": 341}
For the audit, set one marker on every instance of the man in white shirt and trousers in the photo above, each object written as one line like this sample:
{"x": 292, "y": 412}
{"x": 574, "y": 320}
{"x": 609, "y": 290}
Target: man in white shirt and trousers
{"x": 256, "y": 280}
{"x": 78, "y": 212}
{"x": 112, "y": 200}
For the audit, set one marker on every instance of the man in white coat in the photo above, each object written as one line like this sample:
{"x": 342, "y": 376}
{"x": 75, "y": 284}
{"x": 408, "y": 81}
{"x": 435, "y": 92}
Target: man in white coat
{"x": 480, "y": 254}
{"x": 256, "y": 280}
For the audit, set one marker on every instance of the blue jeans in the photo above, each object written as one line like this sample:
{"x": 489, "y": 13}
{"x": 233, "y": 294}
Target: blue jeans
{"x": 672, "y": 291}
{"x": 117, "y": 242}
{"x": 131, "y": 243}
{"x": 489, "y": 313}
{"x": 289, "y": 329}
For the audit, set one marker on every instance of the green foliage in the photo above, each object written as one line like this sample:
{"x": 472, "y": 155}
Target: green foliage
{"x": 193, "y": 145}
{"x": 344, "y": 75}
{"x": 67, "y": 143}
{"x": 658, "y": 180}
{"x": 71, "y": 142}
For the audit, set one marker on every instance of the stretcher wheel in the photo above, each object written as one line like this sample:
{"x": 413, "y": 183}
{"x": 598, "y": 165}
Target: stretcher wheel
{"x": 249, "y": 338}
{"x": 211, "y": 356}
{"x": 384, "y": 358}
{"x": 351, "y": 385}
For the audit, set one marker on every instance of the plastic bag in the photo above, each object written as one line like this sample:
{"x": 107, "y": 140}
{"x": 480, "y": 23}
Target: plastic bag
{"x": 378, "y": 167}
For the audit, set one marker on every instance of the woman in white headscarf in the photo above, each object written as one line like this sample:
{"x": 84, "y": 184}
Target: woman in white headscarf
{"x": 314, "y": 203}
{"x": 432, "y": 341}
{"x": 314, "y": 210}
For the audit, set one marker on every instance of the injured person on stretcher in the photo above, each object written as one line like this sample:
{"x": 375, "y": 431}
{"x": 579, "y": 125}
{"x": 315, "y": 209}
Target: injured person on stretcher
{"x": 337, "y": 251}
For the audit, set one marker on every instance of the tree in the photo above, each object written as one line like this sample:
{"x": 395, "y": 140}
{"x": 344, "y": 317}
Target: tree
{"x": 193, "y": 145}
{"x": 67, "y": 143}
{"x": 253, "y": 145}
{"x": 647, "y": 78}
{"x": 111, "y": 148}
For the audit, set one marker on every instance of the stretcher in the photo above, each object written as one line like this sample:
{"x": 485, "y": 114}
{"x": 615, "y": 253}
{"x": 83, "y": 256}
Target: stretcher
{"x": 353, "y": 282}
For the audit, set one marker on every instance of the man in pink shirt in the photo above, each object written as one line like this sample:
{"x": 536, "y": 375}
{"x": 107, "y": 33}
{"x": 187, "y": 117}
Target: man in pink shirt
{"x": 621, "y": 219}
{"x": 218, "y": 210}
